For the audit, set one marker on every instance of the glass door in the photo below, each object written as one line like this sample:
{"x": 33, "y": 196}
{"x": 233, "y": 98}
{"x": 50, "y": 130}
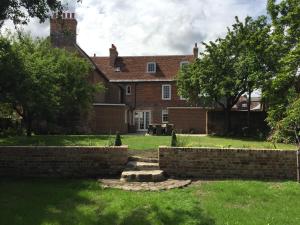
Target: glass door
{"x": 142, "y": 120}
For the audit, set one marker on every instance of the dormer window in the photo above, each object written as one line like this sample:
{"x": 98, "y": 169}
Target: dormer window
{"x": 184, "y": 63}
{"x": 151, "y": 67}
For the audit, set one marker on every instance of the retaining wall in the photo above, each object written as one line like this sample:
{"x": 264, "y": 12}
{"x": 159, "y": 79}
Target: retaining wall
{"x": 212, "y": 163}
{"x": 44, "y": 161}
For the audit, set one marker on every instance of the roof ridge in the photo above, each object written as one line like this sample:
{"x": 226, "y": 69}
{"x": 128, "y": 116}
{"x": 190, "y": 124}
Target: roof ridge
{"x": 141, "y": 56}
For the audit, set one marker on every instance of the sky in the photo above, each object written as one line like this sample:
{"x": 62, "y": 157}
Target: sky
{"x": 150, "y": 27}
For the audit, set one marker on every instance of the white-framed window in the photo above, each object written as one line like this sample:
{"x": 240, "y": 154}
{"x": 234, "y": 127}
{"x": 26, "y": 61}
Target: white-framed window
{"x": 164, "y": 116}
{"x": 184, "y": 63}
{"x": 151, "y": 67}
{"x": 118, "y": 69}
{"x": 128, "y": 90}
{"x": 166, "y": 92}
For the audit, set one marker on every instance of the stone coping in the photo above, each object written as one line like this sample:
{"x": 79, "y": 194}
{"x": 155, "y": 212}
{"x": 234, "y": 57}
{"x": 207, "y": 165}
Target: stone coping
{"x": 227, "y": 149}
{"x": 62, "y": 146}
{"x": 144, "y": 186}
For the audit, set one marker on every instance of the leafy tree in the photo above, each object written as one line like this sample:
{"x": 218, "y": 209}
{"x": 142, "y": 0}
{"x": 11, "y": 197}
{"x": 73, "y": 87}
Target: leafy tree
{"x": 19, "y": 11}
{"x": 229, "y": 67}
{"x": 52, "y": 85}
{"x": 11, "y": 68}
{"x": 283, "y": 91}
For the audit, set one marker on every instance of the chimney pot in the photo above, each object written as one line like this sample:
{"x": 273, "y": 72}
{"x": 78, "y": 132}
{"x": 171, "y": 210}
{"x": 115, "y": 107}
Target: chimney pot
{"x": 195, "y": 51}
{"x": 94, "y": 54}
{"x": 113, "y": 55}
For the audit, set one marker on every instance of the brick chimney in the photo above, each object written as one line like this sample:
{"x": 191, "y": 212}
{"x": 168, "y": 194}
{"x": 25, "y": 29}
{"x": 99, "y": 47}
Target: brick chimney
{"x": 113, "y": 55}
{"x": 195, "y": 51}
{"x": 63, "y": 30}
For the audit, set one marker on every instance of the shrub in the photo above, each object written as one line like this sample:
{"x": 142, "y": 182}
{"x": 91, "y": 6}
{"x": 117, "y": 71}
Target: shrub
{"x": 118, "y": 141}
{"x": 174, "y": 139}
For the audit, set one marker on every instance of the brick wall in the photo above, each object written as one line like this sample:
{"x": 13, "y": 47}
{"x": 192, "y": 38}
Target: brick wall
{"x": 215, "y": 121}
{"x": 188, "y": 119}
{"x": 210, "y": 163}
{"x": 108, "y": 119}
{"x": 43, "y": 161}
{"x": 148, "y": 96}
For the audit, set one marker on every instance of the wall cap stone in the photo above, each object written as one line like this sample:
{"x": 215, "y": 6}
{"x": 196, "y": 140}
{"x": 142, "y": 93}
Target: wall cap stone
{"x": 227, "y": 149}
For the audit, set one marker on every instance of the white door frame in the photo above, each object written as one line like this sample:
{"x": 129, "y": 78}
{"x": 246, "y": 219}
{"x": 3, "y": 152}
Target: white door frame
{"x": 138, "y": 125}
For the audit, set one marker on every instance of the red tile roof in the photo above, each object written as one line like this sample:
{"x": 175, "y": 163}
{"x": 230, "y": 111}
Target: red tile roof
{"x": 134, "y": 68}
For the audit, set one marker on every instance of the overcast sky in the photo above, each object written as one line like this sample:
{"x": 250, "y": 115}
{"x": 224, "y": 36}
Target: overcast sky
{"x": 151, "y": 27}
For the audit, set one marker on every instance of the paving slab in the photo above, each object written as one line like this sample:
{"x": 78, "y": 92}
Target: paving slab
{"x": 144, "y": 186}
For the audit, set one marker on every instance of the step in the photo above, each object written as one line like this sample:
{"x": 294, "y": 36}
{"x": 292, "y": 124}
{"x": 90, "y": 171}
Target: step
{"x": 141, "y": 159}
{"x": 143, "y": 176}
{"x": 136, "y": 165}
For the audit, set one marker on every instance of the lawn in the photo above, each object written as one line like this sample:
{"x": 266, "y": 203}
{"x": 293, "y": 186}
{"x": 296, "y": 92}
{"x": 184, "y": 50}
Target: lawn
{"x": 48, "y": 201}
{"x": 139, "y": 142}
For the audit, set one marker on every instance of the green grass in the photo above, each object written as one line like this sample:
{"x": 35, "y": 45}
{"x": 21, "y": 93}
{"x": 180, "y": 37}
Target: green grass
{"x": 225, "y": 142}
{"x": 139, "y": 142}
{"x": 58, "y": 202}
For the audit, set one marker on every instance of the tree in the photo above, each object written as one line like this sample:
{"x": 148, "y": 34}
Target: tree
{"x": 118, "y": 141}
{"x": 173, "y": 139}
{"x": 283, "y": 91}
{"x": 52, "y": 84}
{"x": 19, "y": 11}
{"x": 229, "y": 67}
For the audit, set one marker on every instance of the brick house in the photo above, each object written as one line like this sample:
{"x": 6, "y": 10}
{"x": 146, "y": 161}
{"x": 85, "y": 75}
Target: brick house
{"x": 139, "y": 90}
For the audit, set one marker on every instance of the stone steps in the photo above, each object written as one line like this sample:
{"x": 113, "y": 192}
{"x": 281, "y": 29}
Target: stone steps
{"x": 143, "y": 176}
{"x": 141, "y": 159}
{"x": 137, "y": 165}
{"x": 139, "y": 169}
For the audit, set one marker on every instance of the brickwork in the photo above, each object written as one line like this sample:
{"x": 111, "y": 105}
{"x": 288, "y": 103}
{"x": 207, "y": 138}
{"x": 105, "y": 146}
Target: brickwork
{"x": 148, "y": 96}
{"x": 188, "y": 119}
{"x": 108, "y": 119}
{"x": 210, "y": 163}
{"x": 44, "y": 161}
{"x": 63, "y": 32}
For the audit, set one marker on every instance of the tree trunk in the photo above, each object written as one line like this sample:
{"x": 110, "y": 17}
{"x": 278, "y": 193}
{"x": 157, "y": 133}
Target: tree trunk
{"x": 249, "y": 110}
{"x": 28, "y": 124}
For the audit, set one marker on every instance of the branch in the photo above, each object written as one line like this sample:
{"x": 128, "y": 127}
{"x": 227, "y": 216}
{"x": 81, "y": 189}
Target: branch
{"x": 236, "y": 99}
{"x": 17, "y": 110}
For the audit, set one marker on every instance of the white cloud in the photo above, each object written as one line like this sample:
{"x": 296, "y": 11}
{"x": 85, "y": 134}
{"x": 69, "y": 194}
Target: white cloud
{"x": 152, "y": 27}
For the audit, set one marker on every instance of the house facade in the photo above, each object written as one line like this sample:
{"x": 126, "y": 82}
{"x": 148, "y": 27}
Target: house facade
{"x": 139, "y": 90}
{"x": 146, "y": 84}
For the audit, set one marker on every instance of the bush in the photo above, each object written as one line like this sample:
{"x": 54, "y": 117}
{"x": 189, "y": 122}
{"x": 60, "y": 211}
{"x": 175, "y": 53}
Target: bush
{"x": 174, "y": 139}
{"x": 118, "y": 141}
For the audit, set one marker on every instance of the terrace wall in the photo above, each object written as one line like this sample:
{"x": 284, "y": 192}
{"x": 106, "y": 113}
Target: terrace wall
{"x": 44, "y": 161}
{"x": 213, "y": 163}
